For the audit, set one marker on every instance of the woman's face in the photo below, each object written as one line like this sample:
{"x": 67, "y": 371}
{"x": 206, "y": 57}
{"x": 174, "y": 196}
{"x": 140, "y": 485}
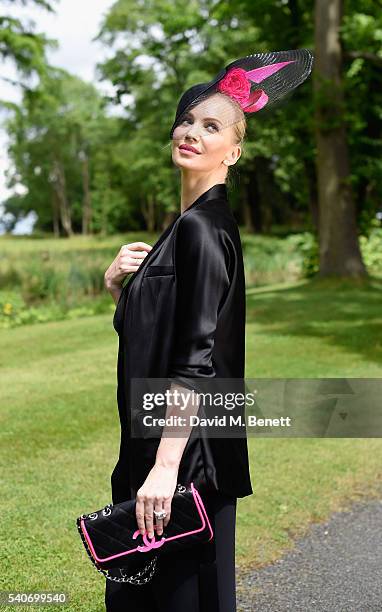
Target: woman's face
{"x": 208, "y": 128}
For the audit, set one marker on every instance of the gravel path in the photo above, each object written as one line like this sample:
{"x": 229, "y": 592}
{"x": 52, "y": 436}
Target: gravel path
{"x": 336, "y": 567}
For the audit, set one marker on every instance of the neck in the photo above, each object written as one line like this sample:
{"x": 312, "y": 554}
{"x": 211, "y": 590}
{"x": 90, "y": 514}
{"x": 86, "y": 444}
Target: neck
{"x": 192, "y": 186}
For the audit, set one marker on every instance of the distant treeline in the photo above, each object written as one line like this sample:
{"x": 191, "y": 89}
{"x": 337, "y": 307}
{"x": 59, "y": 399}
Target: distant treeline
{"x": 313, "y": 163}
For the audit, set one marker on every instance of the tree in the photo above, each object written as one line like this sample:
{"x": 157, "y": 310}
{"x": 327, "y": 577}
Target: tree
{"x": 339, "y": 249}
{"x": 53, "y": 134}
{"x": 21, "y": 44}
{"x": 183, "y": 44}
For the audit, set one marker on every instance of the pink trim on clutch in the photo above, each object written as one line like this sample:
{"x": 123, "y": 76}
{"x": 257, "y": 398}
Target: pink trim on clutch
{"x": 196, "y": 493}
{"x": 150, "y": 544}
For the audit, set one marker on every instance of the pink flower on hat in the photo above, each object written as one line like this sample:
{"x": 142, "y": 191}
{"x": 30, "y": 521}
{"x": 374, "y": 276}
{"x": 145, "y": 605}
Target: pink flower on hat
{"x": 236, "y": 85}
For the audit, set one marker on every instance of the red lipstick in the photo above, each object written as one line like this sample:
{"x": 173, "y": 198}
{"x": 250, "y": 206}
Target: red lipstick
{"x": 186, "y": 147}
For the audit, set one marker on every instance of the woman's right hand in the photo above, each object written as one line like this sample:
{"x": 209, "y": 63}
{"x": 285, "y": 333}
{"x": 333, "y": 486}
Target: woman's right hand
{"x": 127, "y": 261}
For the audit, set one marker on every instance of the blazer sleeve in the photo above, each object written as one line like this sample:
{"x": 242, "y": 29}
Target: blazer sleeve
{"x": 202, "y": 280}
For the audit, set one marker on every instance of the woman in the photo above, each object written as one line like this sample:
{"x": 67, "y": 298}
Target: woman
{"x": 181, "y": 317}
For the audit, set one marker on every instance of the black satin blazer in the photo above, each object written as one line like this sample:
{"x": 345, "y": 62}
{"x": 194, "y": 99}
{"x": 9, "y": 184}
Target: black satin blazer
{"x": 182, "y": 315}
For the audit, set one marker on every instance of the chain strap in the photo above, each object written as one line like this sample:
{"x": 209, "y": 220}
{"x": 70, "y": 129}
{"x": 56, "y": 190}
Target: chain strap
{"x": 139, "y": 578}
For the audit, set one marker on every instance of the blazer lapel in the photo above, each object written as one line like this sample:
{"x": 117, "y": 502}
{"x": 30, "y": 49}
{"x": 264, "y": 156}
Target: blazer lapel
{"x": 216, "y": 192}
{"x": 155, "y": 247}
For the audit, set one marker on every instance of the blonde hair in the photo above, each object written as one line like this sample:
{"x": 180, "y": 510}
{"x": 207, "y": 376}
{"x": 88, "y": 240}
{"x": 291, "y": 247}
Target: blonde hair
{"x": 239, "y": 130}
{"x": 240, "y": 126}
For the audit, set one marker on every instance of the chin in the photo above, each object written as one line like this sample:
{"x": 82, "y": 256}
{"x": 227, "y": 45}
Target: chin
{"x": 186, "y": 163}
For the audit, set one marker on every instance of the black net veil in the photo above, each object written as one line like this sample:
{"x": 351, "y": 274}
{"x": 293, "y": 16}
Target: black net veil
{"x": 209, "y": 113}
{"x": 252, "y": 84}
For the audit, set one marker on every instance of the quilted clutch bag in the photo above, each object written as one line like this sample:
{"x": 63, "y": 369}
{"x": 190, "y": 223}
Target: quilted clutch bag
{"x": 118, "y": 550}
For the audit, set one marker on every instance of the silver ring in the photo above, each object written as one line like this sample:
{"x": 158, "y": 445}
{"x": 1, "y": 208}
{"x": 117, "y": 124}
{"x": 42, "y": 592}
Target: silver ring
{"x": 160, "y": 514}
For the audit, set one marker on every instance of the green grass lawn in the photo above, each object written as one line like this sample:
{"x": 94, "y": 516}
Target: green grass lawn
{"x": 60, "y": 433}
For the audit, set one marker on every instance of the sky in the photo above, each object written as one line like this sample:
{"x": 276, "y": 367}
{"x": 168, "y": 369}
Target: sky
{"x": 73, "y": 25}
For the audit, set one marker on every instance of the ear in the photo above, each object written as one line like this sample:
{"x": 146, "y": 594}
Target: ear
{"x": 235, "y": 154}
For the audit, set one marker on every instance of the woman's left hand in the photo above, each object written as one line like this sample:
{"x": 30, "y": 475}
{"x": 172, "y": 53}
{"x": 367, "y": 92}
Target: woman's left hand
{"x": 156, "y": 493}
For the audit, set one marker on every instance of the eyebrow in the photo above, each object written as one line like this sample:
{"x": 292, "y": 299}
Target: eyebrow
{"x": 205, "y": 118}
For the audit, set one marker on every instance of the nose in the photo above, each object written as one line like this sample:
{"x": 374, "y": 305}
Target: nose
{"x": 193, "y": 132}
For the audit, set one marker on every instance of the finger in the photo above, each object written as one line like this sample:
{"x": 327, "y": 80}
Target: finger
{"x": 127, "y": 255}
{"x": 149, "y": 521}
{"x": 135, "y": 254}
{"x": 131, "y": 263}
{"x": 167, "y": 509}
{"x": 136, "y": 246}
{"x": 159, "y": 522}
{"x": 128, "y": 260}
{"x": 140, "y": 515}
{"x": 132, "y": 268}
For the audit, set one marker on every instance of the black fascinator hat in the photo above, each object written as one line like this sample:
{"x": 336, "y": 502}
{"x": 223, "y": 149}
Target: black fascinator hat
{"x": 279, "y": 72}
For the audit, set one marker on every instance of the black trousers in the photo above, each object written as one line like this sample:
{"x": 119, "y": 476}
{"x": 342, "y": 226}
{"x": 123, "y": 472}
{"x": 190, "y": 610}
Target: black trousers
{"x": 201, "y": 579}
